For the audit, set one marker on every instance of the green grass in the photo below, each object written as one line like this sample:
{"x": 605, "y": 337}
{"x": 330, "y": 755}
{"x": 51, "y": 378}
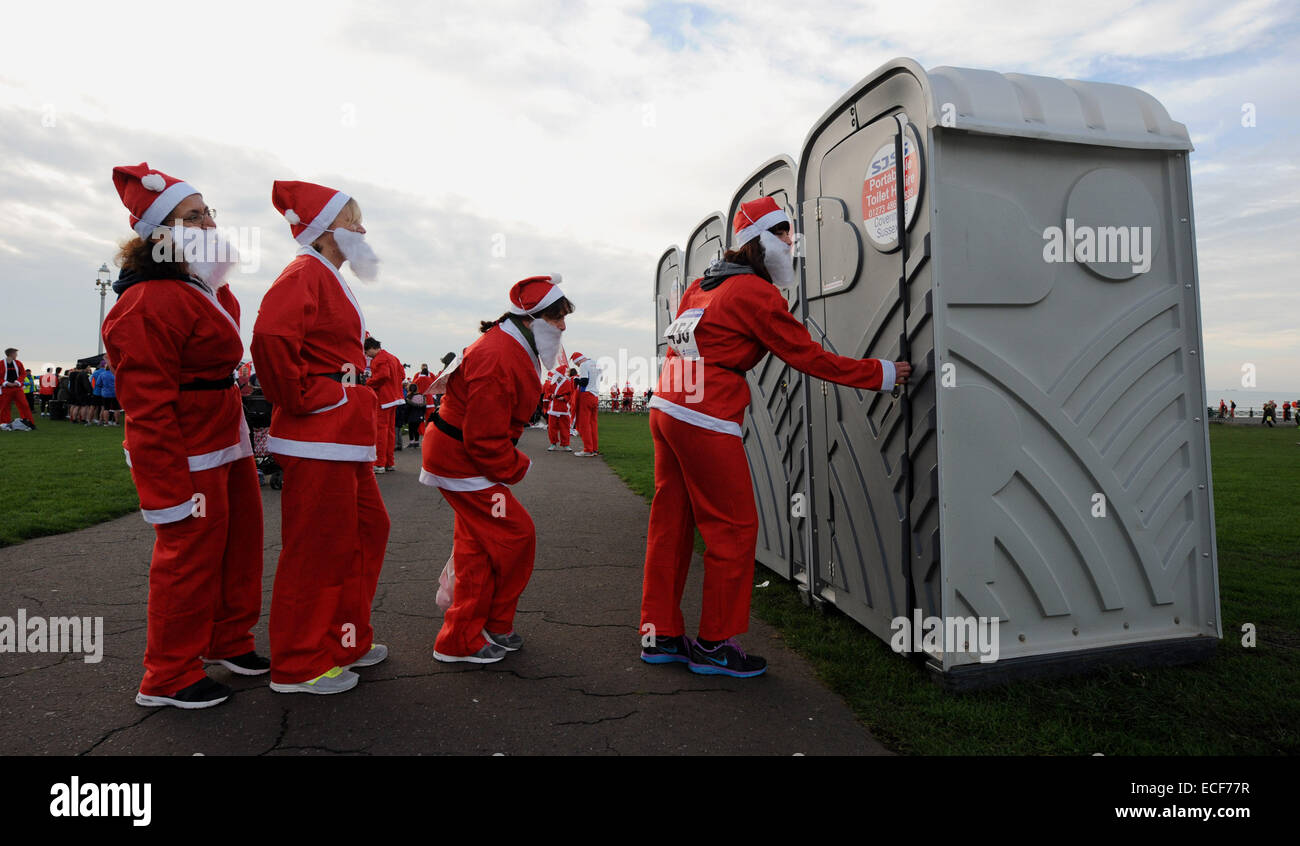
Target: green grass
{"x": 60, "y": 478}
{"x": 625, "y": 441}
{"x": 1243, "y": 701}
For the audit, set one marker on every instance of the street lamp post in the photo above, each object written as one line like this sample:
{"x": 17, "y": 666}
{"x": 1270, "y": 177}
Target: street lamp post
{"x": 102, "y": 282}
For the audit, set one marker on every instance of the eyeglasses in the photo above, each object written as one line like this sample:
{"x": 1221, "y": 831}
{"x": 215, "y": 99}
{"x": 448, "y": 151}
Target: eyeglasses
{"x": 198, "y": 216}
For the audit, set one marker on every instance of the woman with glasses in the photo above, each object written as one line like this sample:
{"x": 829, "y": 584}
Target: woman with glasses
{"x": 173, "y": 340}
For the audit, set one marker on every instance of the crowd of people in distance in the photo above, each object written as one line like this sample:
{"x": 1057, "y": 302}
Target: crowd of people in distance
{"x": 1290, "y": 412}
{"x": 627, "y": 399}
{"x": 82, "y": 394}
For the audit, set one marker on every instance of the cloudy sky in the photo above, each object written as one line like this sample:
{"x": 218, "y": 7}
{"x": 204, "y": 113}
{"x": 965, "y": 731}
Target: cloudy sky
{"x": 489, "y": 141}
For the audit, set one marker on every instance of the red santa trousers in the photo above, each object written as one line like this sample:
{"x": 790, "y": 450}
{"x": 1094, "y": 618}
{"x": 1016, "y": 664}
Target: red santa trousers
{"x": 701, "y": 479}
{"x": 587, "y": 428}
{"x": 335, "y": 528}
{"x": 14, "y": 393}
{"x": 557, "y": 428}
{"x": 494, "y": 545}
{"x": 205, "y": 580}
{"x": 385, "y": 436}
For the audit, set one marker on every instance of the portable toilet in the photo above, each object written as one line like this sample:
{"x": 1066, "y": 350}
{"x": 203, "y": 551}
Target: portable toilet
{"x": 775, "y": 430}
{"x": 706, "y": 245}
{"x": 670, "y": 284}
{"x": 1048, "y": 465}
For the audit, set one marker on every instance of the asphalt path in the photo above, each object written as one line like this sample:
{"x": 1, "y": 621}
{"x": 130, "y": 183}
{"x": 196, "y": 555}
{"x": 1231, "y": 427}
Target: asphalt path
{"x": 577, "y": 687}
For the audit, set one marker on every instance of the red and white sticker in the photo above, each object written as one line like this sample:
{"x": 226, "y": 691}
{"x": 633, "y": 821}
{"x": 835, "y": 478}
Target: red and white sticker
{"x": 880, "y": 193}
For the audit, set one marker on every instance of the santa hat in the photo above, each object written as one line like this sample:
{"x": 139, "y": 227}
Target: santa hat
{"x": 149, "y": 194}
{"x": 534, "y": 294}
{"x": 310, "y": 209}
{"x": 754, "y": 218}
{"x": 576, "y": 357}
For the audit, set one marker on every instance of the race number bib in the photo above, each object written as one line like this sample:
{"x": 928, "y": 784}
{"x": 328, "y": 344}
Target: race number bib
{"x": 680, "y": 334}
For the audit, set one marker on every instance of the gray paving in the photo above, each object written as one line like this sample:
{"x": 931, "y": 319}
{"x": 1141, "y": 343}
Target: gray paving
{"x": 576, "y": 688}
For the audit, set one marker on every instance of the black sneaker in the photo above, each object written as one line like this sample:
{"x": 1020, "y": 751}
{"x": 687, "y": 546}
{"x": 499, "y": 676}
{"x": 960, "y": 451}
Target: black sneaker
{"x": 727, "y": 659}
{"x": 667, "y": 650}
{"x": 248, "y": 664}
{"x": 204, "y": 693}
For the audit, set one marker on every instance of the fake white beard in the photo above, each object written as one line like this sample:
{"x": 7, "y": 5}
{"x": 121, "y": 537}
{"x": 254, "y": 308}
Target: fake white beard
{"x": 548, "y": 342}
{"x": 206, "y": 252}
{"x": 359, "y": 254}
{"x": 778, "y": 258}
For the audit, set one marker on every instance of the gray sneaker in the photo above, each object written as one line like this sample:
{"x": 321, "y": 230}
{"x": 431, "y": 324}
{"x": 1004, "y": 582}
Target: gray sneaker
{"x": 509, "y": 642}
{"x": 489, "y": 654}
{"x": 378, "y": 652}
{"x": 334, "y": 680}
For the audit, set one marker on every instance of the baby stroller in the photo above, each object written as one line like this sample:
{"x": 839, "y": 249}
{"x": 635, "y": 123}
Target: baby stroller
{"x": 257, "y": 411}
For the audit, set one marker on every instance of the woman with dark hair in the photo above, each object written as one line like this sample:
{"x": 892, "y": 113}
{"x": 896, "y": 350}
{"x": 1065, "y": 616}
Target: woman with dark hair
{"x": 470, "y": 455}
{"x": 727, "y": 322}
{"x": 173, "y": 340}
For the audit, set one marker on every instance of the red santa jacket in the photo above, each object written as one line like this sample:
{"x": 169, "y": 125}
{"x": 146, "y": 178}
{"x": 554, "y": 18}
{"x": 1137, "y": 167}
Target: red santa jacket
{"x": 562, "y": 397}
{"x": 386, "y": 379}
{"x": 491, "y": 395}
{"x": 161, "y": 334}
{"x": 310, "y": 326}
{"x": 738, "y": 322}
{"x": 14, "y": 373}
{"x": 548, "y": 393}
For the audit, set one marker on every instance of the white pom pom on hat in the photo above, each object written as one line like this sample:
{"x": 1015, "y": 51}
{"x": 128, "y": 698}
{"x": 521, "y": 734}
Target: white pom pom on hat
{"x": 153, "y": 182}
{"x": 291, "y": 216}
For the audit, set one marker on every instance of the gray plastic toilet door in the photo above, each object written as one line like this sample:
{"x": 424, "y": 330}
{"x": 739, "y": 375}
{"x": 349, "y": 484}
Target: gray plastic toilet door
{"x": 707, "y": 243}
{"x": 669, "y": 285}
{"x": 872, "y": 458}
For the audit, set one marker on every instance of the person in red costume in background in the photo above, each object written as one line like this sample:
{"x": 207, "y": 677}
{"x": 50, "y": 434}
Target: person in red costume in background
{"x": 13, "y": 393}
{"x": 173, "y": 338}
{"x": 307, "y": 347}
{"x": 420, "y": 399}
{"x": 49, "y": 382}
{"x": 558, "y": 415}
{"x": 470, "y": 455}
{"x": 586, "y": 402}
{"x": 386, "y": 381}
{"x": 548, "y": 391}
{"x": 727, "y": 321}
